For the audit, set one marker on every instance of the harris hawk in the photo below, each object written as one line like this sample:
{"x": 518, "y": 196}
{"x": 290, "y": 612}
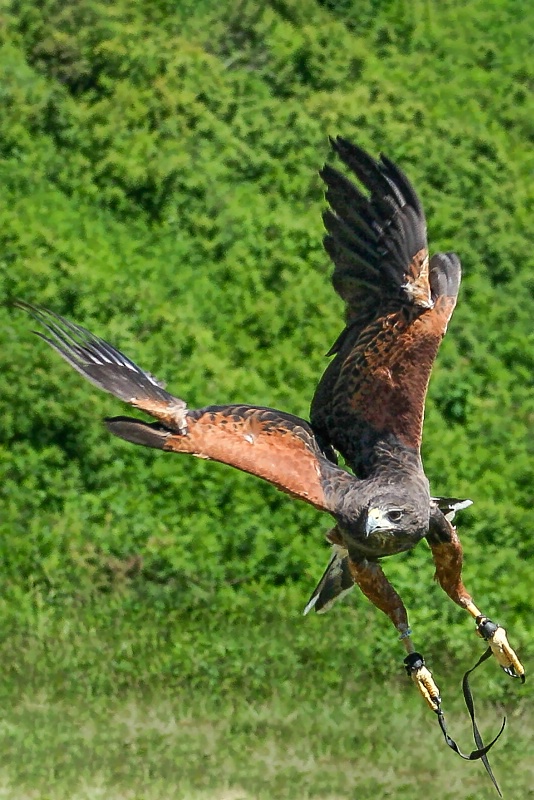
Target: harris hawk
{"x": 368, "y": 405}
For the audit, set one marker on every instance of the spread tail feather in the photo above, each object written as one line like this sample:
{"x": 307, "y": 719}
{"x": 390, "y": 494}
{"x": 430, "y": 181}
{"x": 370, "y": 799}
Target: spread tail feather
{"x": 335, "y": 582}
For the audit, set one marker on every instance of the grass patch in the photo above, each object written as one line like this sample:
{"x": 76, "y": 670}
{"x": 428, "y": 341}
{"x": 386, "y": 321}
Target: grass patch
{"x": 118, "y": 700}
{"x": 188, "y": 745}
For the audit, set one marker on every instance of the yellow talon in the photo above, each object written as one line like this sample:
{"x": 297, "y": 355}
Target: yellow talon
{"x": 422, "y": 677}
{"x": 497, "y": 640}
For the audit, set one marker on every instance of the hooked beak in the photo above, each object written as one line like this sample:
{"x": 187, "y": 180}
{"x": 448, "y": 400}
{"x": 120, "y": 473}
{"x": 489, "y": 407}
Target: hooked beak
{"x": 376, "y": 519}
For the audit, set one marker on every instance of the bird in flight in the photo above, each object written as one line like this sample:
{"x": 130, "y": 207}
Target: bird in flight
{"x": 368, "y": 406}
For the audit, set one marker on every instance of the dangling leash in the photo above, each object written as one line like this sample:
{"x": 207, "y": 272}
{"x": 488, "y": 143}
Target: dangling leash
{"x": 499, "y": 647}
{"x": 482, "y": 751}
{"x": 487, "y": 630}
{"x": 415, "y": 664}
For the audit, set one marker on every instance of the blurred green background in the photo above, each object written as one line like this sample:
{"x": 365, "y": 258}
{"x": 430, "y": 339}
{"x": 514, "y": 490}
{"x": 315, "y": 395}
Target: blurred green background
{"x": 158, "y": 163}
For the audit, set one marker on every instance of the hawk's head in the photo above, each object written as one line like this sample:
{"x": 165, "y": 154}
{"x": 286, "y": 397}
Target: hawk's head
{"x": 390, "y": 512}
{"x": 390, "y": 523}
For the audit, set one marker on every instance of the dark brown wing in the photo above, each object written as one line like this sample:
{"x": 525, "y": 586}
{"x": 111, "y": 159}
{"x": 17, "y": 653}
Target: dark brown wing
{"x": 278, "y": 447}
{"x": 383, "y": 380}
{"x": 377, "y": 241}
{"x": 398, "y": 307}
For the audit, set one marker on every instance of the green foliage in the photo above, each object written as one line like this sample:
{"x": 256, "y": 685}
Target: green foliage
{"x": 159, "y": 169}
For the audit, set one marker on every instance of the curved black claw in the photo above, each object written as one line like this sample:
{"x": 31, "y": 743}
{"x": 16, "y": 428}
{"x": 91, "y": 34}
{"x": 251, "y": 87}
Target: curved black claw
{"x": 497, "y": 640}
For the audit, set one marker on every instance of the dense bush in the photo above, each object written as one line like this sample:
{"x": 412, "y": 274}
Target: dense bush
{"x": 159, "y": 170}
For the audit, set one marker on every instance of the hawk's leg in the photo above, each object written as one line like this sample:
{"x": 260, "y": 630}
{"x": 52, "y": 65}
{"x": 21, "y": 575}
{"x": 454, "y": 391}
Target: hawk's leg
{"x": 448, "y": 558}
{"x": 371, "y": 579}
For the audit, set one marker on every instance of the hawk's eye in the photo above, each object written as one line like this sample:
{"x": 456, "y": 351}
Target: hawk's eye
{"x": 395, "y": 515}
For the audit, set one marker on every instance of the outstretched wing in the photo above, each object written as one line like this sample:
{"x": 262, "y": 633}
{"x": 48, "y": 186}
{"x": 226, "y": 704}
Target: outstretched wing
{"x": 377, "y": 241}
{"x": 398, "y": 304}
{"x": 278, "y": 447}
